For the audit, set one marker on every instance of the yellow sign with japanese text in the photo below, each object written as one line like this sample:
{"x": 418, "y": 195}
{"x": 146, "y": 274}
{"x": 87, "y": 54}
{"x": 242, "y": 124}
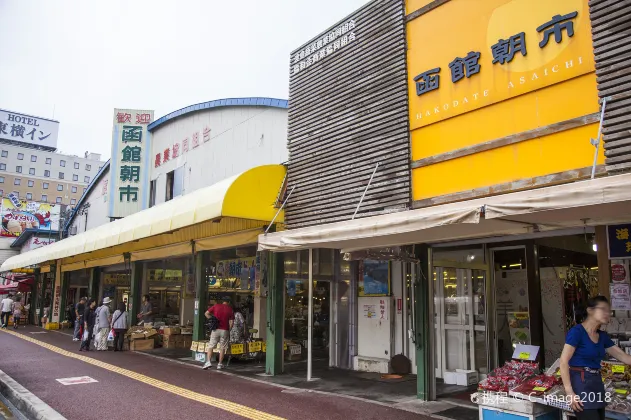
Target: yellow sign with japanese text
{"x": 469, "y": 54}
{"x": 483, "y": 72}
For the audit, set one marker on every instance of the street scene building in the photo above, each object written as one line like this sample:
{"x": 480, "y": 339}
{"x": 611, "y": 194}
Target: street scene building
{"x": 426, "y": 208}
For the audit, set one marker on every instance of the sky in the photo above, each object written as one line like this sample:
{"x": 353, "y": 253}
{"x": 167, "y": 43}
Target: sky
{"x": 75, "y": 61}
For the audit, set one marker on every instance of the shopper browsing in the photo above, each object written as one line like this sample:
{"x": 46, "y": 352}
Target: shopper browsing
{"x": 78, "y": 312}
{"x": 585, "y": 348}
{"x": 89, "y": 318}
{"x": 6, "y": 305}
{"x": 120, "y": 323}
{"x": 104, "y": 320}
{"x": 17, "y": 311}
{"x": 225, "y": 319}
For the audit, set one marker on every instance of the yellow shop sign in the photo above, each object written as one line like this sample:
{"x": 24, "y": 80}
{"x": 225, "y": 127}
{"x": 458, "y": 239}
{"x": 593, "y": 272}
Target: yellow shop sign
{"x": 465, "y": 54}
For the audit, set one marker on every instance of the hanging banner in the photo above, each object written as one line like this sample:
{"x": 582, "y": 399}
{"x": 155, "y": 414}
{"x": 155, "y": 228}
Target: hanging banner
{"x": 619, "y": 241}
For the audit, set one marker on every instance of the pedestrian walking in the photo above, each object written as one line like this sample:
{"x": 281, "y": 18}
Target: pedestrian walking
{"x": 6, "y": 306}
{"x": 89, "y": 318}
{"x": 120, "y": 323}
{"x": 104, "y": 321}
{"x": 18, "y": 307}
{"x": 225, "y": 319}
{"x": 78, "y": 313}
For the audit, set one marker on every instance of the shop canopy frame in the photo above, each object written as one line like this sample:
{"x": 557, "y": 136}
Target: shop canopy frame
{"x": 586, "y": 203}
{"x": 240, "y": 205}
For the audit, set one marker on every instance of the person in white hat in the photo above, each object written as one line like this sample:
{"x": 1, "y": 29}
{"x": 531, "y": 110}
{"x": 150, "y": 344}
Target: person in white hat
{"x": 104, "y": 321}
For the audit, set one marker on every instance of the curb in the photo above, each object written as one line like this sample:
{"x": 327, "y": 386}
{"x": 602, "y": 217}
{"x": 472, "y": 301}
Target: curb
{"x": 25, "y": 401}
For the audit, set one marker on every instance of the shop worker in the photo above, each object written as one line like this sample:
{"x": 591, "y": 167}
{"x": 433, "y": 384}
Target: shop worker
{"x": 225, "y": 319}
{"x": 585, "y": 347}
{"x": 146, "y": 310}
{"x": 6, "y": 305}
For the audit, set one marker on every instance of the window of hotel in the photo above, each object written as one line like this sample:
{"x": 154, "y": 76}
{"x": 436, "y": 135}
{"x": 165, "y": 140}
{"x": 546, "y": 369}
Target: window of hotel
{"x": 45, "y": 185}
{"x": 75, "y": 177}
{"x": 29, "y": 196}
{"x": 60, "y": 187}
{"x": 62, "y": 163}
{"x": 73, "y": 201}
{"x": 76, "y": 165}
{"x": 17, "y": 181}
{"x": 74, "y": 189}
{"x": 47, "y": 174}
{"x": 3, "y": 167}
{"x": 31, "y": 171}
{"x": 5, "y": 153}
{"x": 44, "y": 198}
{"x": 20, "y": 156}
{"x": 18, "y": 169}
{"x": 48, "y": 161}
{"x": 86, "y": 179}
{"x": 33, "y": 158}
{"x": 58, "y": 201}
{"x": 31, "y": 183}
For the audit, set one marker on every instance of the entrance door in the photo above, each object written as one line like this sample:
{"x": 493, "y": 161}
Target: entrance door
{"x": 460, "y": 320}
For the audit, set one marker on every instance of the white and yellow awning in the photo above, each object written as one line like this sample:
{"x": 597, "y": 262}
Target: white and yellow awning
{"x": 249, "y": 196}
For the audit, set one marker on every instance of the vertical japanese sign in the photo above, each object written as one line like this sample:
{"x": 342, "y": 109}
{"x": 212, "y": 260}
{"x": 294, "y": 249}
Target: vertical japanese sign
{"x": 129, "y": 176}
{"x": 619, "y": 241}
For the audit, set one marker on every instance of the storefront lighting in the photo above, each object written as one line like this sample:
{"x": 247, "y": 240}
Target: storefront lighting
{"x": 515, "y": 265}
{"x": 595, "y": 246}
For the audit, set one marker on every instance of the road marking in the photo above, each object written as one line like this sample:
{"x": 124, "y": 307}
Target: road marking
{"x": 76, "y": 381}
{"x": 37, "y": 332}
{"x": 241, "y": 410}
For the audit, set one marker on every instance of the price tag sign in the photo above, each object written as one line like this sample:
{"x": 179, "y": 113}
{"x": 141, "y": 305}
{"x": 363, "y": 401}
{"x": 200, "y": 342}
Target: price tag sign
{"x": 617, "y": 368}
{"x": 236, "y": 349}
{"x": 264, "y": 347}
{"x": 540, "y": 389}
{"x": 255, "y": 346}
{"x": 201, "y": 347}
{"x": 621, "y": 391}
{"x": 524, "y": 356}
{"x": 194, "y": 346}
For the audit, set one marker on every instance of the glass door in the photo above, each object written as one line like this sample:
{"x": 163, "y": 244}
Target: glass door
{"x": 460, "y": 320}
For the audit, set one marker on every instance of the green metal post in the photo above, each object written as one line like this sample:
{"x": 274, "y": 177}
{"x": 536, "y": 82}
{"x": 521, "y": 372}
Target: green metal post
{"x": 421, "y": 322}
{"x": 64, "y": 280}
{"x": 93, "y": 285}
{"x": 275, "y": 313}
{"x": 42, "y": 298}
{"x": 201, "y": 301}
{"x": 32, "y": 317}
{"x": 134, "y": 291}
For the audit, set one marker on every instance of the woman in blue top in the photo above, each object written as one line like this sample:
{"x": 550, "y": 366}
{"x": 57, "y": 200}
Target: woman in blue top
{"x": 585, "y": 348}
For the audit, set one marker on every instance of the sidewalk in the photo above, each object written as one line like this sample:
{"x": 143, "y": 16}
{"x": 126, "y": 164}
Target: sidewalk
{"x": 133, "y": 385}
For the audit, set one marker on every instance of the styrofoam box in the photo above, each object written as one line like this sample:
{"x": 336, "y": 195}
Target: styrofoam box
{"x": 461, "y": 377}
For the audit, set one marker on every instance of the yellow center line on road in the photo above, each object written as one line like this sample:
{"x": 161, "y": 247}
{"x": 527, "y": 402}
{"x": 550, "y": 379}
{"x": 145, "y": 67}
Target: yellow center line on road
{"x": 241, "y": 410}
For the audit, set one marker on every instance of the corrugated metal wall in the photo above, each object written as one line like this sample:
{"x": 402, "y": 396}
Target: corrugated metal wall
{"x": 348, "y": 111}
{"x": 611, "y": 30}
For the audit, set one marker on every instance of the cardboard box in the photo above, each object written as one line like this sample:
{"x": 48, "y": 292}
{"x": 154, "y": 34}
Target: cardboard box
{"x": 171, "y": 330}
{"x": 181, "y": 345}
{"x": 139, "y": 345}
{"x": 169, "y": 345}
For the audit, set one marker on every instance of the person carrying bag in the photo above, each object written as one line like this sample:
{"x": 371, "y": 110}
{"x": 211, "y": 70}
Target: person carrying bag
{"x": 120, "y": 324}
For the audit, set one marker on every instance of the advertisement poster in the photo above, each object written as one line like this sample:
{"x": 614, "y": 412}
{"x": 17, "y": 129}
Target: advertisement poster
{"x": 619, "y": 241}
{"x": 620, "y": 271}
{"x": 375, "y": 280}
{"x": 519, "y": 325}
{"x": 19, "y": 215}
{"x": 237, "y": 273}
{"x": 370, "y": 311}
{"x": 620, "y": 299}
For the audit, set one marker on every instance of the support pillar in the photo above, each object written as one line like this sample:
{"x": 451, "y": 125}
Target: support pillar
{"x": 64, "y": 283}
{"x": 201, "y": 301}
{"x": 35, "y": 291}
{"x": 93, "y": 283}
{"x": 424, "y": 360}
{"x": 604, "y": 269}
{"x": 275, "y": 313}
{"x": 42, "y": 298}
{"x": 56, "y": 301}
{"x": 134, "y": 291}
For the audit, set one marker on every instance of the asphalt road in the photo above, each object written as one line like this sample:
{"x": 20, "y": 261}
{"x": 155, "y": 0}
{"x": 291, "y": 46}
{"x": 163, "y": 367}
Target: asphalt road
{"x": 131, "y": 385}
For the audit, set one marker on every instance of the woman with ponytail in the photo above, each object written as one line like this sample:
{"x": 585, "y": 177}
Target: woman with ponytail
{"x": 585, "y": 348}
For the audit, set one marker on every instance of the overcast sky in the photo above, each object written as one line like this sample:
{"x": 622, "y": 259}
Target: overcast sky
{"x": 81, "y": 59}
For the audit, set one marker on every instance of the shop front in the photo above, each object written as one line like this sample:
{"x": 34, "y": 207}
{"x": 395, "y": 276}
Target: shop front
{"x": 185, "y": 254}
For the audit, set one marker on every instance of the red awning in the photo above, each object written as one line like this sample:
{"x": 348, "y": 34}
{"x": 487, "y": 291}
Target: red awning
{"x": 19, "y": 286}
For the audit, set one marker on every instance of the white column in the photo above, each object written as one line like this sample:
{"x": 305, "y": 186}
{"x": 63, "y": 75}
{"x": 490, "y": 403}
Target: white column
{"x": 310, "y": 317}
